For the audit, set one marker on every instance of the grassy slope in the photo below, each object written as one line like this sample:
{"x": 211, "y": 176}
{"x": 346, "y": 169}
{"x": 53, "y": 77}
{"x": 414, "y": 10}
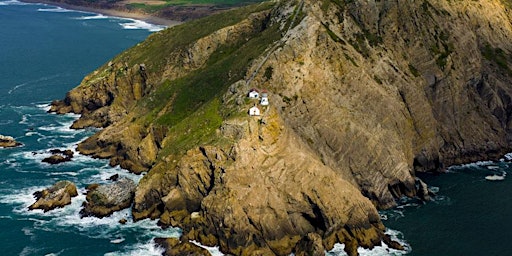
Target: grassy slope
{"x": 196, "y": 111}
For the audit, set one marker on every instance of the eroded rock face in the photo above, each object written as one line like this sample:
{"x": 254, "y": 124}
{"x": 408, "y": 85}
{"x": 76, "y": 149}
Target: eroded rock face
{"x": 103, "y": 200}
{"x": 56, "y": 196}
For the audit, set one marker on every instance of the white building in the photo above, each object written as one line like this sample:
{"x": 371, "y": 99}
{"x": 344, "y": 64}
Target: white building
{"x": 264, "y": 101}
{"x": 254, "y": 111}
{"x": 254, "y": 94}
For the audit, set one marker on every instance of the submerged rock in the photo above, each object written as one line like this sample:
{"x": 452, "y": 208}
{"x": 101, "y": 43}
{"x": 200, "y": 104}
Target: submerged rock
{"x": 8, "y": 142}
{"x": 55, "y": 196}
{"x": 173, "y": 246}
{"x": 103, "y": 200}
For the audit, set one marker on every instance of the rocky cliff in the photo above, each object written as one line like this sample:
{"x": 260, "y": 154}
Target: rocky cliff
{"x": 362, "y": 94}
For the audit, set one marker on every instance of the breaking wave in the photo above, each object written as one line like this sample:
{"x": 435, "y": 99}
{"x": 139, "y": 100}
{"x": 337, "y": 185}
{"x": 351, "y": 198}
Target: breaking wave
{"x": 139, "y": 24}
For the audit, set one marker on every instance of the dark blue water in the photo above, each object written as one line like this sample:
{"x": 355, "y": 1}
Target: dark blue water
{"x": 44, "y": 52}
{"x": 469, "y": 216}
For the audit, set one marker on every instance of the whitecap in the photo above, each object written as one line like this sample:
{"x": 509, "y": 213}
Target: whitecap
{"x": 93, "y": 17}
{"x": 62, "y": 174}
{"x": 11, "y": 2}
{"x": 56, "y": 9}
{"x": 27, "y": 250}
{"x": 147, "y": 249}
{"x": 117, "y": 240}
{"x": 139, "y": 24}
{"x": 44, "y": 106}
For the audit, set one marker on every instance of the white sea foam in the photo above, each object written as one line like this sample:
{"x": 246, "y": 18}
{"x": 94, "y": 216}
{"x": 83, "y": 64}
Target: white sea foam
{"x": 55, "y": 9}
{"x": 139, "y": 24}
{"x": 44, "y": 106}
{"x": 214, "y": 251}
{"x": 11, "y": 2}
{"x": 93, "y": 17}
{"x": 475, "y": 164}
{"x": 382, "y": 250}
{"x": 147, "y": 249}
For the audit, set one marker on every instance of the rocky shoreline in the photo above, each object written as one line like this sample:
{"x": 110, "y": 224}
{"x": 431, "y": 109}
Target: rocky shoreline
{"x": 363, "y": 96}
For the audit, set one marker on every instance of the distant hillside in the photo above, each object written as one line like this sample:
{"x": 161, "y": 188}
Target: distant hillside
{"x": 363, "y": 95}
{"x": 179, "y": 10}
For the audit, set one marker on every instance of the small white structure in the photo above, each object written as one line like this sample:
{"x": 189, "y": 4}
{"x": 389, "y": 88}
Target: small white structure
{"x": 264, "y": 101}
{"x": 254, "y": 111}
{"x": 254, "y": 94}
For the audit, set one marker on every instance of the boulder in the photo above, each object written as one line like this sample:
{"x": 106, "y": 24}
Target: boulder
{"x": 55, "y": 196}
{"x": 59, "y": 156}
{"x": 8, "y": 142}
{"x": 102, "y": 200}
{"x": 173, "y": 246}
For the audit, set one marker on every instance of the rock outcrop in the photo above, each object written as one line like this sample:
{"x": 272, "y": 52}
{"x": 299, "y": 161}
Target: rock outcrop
{"x": 56, "y": 196}
{"x": 59, "y": 156}
{"x": 103, "y": 200}
{"x": 174, "y": 246}
{"x": 363, "y": 94}
{"x": 8, "y": 142}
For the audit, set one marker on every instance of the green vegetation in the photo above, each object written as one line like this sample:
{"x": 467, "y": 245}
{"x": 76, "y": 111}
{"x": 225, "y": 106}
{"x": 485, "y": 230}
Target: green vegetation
{"x": 444, "y": 51}
{"x": 414, "y": 71}
{"x": 166, "y": 3}
{"x": 190, "y": 107}
{"x": 497, "y": 56}
{"x": 377, "y": 79}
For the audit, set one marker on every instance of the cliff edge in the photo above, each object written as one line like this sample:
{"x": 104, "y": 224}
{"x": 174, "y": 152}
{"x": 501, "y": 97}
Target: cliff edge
{"x": 362, "y": 95}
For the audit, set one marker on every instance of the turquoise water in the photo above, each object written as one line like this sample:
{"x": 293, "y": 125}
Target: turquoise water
{"x": 44, "y": 52}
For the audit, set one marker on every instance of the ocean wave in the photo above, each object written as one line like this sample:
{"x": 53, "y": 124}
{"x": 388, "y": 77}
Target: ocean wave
{"x": 93, "y": 17}
{"x": 147, "y": 249}
{"x": 11, "y": 2}
{"x": 44, "y": 106}
{"x": 55, "y": 9}
{"x": 139, "y": 24}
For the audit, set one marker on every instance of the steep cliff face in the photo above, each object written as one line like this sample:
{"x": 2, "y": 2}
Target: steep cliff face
{"x": 362, "y": 95}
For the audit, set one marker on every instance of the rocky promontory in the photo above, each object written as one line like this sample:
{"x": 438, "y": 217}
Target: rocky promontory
{"x": 362, "y": 95}
{"x": 56, "y": 196}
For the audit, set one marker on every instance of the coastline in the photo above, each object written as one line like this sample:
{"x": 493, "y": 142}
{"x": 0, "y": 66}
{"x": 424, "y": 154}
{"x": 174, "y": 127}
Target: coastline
{"x": 111, "y": 12}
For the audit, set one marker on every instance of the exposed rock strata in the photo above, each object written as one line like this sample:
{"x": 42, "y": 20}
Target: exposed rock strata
{"x": 103, "y": 200}
{"x": 56, "y": 196}
{"x": 363, "y": 95}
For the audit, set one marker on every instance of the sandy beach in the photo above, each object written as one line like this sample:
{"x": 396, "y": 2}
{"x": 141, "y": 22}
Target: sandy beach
{"x": 112, "y": 12}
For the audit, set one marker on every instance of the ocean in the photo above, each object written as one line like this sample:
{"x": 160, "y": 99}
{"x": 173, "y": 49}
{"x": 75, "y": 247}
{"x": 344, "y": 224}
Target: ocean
{"x": 45, "y": 51}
